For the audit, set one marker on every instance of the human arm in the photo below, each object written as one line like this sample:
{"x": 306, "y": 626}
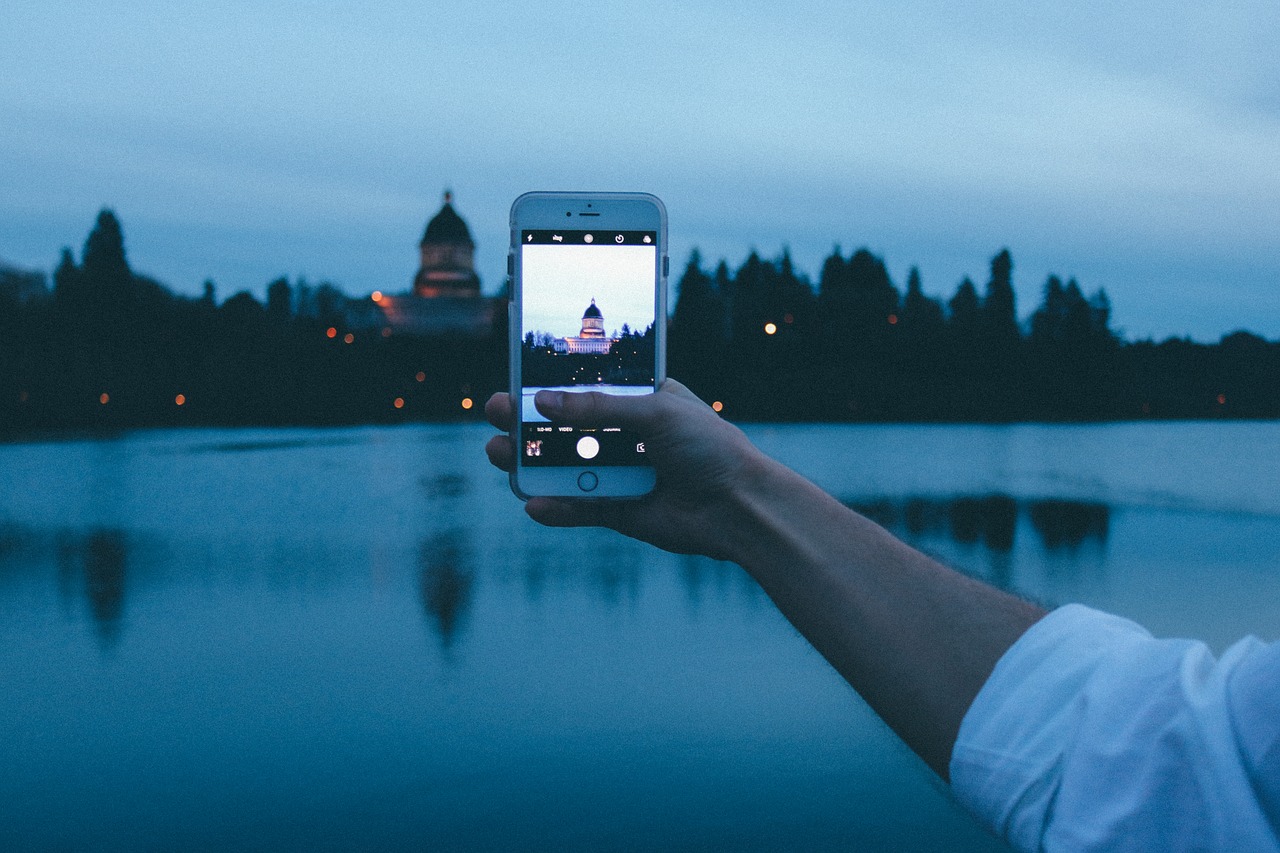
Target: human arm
{"x": 916, "y": 639}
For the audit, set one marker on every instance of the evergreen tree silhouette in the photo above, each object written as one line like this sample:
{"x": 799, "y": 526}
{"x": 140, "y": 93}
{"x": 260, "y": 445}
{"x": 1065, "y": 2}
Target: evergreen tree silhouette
{"x": 279, "y": 300}
{"x": 104, "y": 256}
{"x": 696, "y": 340}
{"x": 961, "y": 364}
{"x": 923, "y": 348}
{"x": 999, "y": 305}
{"x": 857, "y": 309}
{"x": 998, "y": 384}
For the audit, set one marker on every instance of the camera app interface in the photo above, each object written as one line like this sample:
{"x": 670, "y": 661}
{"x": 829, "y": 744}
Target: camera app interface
{"x": 587, "y": 325}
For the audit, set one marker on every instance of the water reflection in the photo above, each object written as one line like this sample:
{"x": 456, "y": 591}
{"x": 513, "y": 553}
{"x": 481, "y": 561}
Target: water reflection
{"x": 1068, "y": 524}
{"x": 97, "y": 561}
{"x": 444, "y": 485}
{"x": 446, "y": 583}
{"x": 13, "y": 540}
{"x": 991, "y": 520}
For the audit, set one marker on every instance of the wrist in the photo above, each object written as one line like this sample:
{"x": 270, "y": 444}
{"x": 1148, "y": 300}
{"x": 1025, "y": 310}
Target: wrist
{"x": 756, "y": 504}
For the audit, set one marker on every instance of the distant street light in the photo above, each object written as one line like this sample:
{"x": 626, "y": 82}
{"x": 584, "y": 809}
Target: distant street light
{"x": 398, "y": 402}
{"x": 467, "y": 403}
{"x": 770, "y": 328}
{"x": 717, "y": 406}
{"x": 331, "y": 332}
{"x": 180, "y": 400}
{"x": 104, "y": 398}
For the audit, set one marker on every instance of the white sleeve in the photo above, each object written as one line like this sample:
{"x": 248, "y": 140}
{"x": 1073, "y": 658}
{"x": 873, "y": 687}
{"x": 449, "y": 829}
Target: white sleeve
{"x": 1092, "y": 735}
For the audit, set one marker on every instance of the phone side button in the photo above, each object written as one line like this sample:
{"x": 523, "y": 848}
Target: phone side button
{"x": 587, "y": 481}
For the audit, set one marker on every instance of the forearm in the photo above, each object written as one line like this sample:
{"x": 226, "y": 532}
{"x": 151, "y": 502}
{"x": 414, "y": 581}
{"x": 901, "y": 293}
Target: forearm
{"x": 917, "y": 640}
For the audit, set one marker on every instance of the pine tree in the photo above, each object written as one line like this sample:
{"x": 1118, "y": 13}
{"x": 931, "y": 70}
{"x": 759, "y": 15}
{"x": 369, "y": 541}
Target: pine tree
{"x": 696, "y": 339}
{"x": 279, "y": 300}
{"x": 965, "y": 307}
{"x": 999, "y": 306}
{"x": 104, "y": 255}
{"x": 920, "y": 312}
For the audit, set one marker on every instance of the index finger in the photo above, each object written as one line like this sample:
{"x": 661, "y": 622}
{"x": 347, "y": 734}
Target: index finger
{"x": 499, "y": 411}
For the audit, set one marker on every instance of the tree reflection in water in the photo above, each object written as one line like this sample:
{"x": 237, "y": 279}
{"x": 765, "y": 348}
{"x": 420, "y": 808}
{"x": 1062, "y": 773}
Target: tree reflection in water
{"x": 1067, "y": 524}
{"x": 99, "y": 558}
{"x": 446, "y": 583}
{"x": 991, "y": 520}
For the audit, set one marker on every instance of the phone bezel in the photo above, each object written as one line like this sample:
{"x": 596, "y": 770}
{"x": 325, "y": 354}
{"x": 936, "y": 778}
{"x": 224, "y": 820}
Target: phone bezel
{"x": 603, "y": 211}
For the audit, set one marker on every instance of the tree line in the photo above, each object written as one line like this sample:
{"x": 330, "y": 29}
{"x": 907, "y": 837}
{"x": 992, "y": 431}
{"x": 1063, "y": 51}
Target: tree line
{"x": 106, "y": 347}
{"x": 768, "y": 345}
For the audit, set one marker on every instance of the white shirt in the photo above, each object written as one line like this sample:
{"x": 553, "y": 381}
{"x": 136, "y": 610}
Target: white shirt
{"x": 1092, "y": 735}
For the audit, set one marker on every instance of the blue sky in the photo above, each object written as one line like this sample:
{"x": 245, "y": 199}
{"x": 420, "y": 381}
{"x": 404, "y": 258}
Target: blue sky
{"x": 1135, "y": 146}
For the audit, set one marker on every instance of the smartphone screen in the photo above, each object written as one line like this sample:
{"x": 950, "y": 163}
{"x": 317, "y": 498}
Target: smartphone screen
{"x": 587, "y": 324}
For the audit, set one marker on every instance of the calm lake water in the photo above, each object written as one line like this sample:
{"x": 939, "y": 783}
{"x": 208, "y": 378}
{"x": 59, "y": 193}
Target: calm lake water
{"x": 265, "y": 639}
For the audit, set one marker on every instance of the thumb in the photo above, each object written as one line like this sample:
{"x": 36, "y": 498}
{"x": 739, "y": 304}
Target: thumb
{"x": 593, "y": 409}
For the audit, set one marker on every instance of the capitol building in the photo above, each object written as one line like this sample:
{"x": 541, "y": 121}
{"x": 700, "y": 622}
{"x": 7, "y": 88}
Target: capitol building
{"x": 591, "y": 340}
{"x": 445, "y": 296}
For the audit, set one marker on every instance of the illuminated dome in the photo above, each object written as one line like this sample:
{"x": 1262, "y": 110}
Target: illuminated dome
{"x": 592, "y": 322}
{"x": 447, "y": 267}
{"x": 447, "y": 226}
{"x": 592, "y": 340}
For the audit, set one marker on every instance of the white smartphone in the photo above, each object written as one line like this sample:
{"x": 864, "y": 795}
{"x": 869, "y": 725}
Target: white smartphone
{"x": 588, "y": 313}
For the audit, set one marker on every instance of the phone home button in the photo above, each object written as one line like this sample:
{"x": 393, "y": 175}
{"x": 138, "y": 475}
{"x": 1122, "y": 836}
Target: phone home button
{"x": 587, "y": 481}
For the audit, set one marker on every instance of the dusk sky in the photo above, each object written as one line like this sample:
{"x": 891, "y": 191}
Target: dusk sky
{"x": 561, "y": 281}
{"x": 1135, "y": 146}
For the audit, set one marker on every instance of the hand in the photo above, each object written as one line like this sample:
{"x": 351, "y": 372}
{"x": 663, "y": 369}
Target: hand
{"x": 703, "y": 464}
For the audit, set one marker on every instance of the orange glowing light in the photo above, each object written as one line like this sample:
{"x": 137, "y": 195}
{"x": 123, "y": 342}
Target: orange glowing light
{"x": 386, "y": 331}
{"x": 331, "y": 332}
{"x": 717, "y": 406}
{"x": 1222, "y": 399}
{"x": 467, "y": 403}
{"x": 421, "y": 377}
{"x": 348, "y": 338}
{"x": 770, "y": 328}
{"x": 180, "y": 400}
{"x": 377, "y": 296}
{"x": 104, "y": 398}
{"x": 893, "y": 319}
{"x": 398, "y": 402}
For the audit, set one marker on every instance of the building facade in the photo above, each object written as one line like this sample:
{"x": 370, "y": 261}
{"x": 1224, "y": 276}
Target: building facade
{"x": 447, "y": 257}
{"x": 445, "y": 297}
{"x": 591, "y": 339}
